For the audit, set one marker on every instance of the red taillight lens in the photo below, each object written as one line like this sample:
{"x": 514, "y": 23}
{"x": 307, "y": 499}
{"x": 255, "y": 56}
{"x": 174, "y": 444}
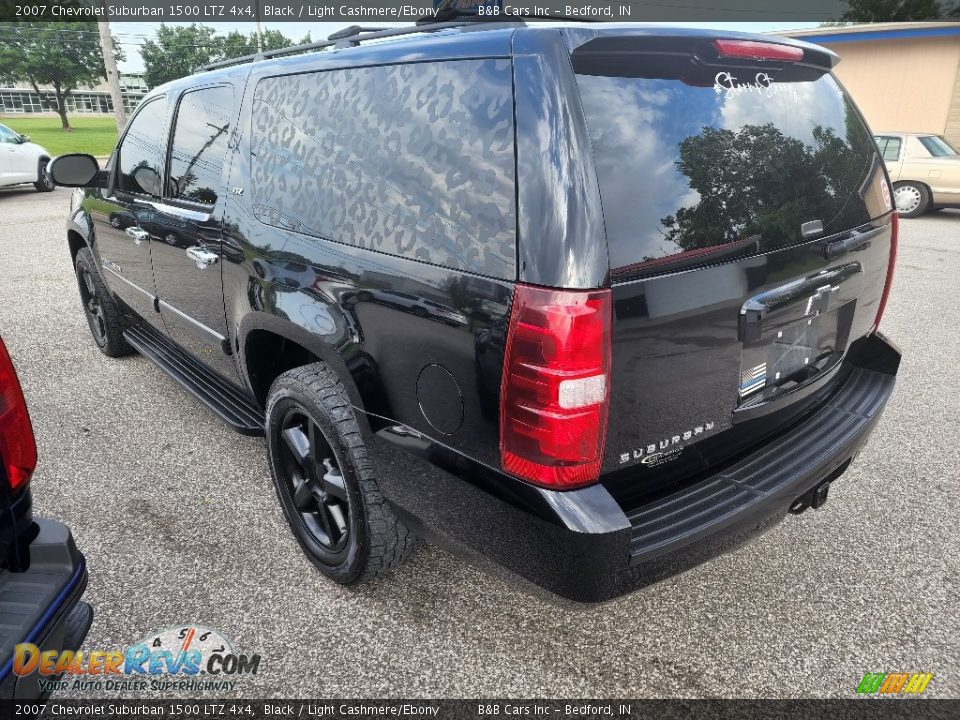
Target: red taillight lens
{"x": 556, "y": 386}
{"x": 18, "y": 449}
{"x": 894, "y": 238}
{"x": 754, "y": 50}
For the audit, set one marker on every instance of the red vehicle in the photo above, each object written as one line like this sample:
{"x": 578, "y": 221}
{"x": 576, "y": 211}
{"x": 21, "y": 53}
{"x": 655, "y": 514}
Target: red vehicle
{"x": 42, "y": 574}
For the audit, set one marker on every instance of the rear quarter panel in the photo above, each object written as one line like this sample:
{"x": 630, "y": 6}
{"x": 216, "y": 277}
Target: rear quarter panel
{"x": 391, "y": 303}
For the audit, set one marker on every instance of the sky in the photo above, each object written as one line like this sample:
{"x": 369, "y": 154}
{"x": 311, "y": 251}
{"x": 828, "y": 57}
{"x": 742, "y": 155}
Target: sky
{"x": 132, "y": 35}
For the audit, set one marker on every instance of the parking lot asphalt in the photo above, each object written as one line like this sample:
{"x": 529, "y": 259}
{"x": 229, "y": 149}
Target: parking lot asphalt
{"x": 179, "y": 523}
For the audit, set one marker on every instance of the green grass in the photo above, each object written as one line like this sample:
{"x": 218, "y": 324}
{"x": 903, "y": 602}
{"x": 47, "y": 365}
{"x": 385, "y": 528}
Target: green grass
{"x": 94, "y": 135}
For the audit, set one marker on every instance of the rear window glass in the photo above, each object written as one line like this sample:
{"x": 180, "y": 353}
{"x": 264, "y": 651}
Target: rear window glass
{"x": 692, "y": 170}
{"x": 937, "y": 146}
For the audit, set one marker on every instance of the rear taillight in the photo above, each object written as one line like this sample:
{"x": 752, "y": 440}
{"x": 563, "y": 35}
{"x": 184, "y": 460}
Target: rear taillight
{"x": 556, "y": 386}
{"x": 18, "y": 449}
{"x": 756, "y": 50}
{"x": 894, "y": 238}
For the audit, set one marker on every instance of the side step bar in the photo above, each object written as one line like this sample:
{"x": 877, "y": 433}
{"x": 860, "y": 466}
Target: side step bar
{"x": 217, "y": 393}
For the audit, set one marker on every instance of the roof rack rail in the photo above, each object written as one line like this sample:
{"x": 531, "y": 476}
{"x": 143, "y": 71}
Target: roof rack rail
{"x": 353, "y": 31}
{"x": 348, "y": 37}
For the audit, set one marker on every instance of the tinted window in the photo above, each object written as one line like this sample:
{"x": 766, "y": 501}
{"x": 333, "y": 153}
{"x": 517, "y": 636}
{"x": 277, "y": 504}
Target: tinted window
{"x": 7, "y": 135}
{"x": 200, "y": 136}
{"x": 890, "y": 147}
{"x": 140, "y": 161}
{"x": 737, "y": 164}
{"x": 937, "y": 146}
{"x": 411, "y": 160}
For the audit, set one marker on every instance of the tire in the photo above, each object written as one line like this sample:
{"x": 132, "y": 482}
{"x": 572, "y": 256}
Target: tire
{"x": 324, "y": 481}
{"x": 103, "y": 315}
{"x": 911, "y": 199}
{"x": 43, "y": 183}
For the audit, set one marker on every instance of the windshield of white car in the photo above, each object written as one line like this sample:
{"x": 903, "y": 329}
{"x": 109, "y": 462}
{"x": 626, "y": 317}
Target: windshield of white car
{"x": 7, "y": 135}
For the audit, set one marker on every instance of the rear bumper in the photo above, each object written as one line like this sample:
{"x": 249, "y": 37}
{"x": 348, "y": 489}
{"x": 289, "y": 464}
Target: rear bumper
{"x": 582, "y": 545}
{"x": 42, "y": 605}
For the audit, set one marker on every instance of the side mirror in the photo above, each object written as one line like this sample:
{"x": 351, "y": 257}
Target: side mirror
{"x": 24, "y": 138}
{"x": 74, "y": 170}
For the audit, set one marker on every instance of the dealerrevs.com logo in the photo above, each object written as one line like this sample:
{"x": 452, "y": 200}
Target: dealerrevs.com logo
{"x": 894, "y": 683}
{"x": 186, "y": 657}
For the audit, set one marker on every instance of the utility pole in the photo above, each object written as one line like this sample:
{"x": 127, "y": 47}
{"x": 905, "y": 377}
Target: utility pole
{"x": 259, "y": 35}
{"x": 110, "y": 65}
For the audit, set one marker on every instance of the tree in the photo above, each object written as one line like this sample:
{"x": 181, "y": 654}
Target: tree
{"x": 863, "y": 11}
{"x": 756, "y": 181}
{"x": 178, "y": 51}
{"x": 62, "y": 56}
{"x": 236, "y": 44}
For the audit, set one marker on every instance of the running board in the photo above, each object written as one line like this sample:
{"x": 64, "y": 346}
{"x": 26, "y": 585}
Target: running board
{"x": 217, "y": 393}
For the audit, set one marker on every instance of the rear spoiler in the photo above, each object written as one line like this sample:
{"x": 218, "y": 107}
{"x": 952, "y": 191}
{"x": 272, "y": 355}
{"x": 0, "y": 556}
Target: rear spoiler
{"x": 685, "y": 56}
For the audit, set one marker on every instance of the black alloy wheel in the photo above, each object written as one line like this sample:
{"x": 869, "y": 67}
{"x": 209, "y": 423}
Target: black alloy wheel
{"x": 314, "y": 481}
{"x": 324, "y": 480}
{"x": 102, "y": 313}
{"x": 93, "y": 305}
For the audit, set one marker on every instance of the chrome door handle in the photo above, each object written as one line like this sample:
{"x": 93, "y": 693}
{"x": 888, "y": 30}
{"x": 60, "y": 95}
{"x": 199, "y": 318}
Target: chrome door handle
{"x": 202, "y": 257}
{"x": 137, "y": 234}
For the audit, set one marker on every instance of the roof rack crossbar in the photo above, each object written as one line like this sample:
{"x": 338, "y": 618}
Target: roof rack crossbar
{"x": 348, "y": 37}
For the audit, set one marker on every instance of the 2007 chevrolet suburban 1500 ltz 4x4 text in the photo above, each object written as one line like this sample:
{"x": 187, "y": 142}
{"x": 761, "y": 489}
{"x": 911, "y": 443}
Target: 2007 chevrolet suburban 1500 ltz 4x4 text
{"x": 595, "y": 302}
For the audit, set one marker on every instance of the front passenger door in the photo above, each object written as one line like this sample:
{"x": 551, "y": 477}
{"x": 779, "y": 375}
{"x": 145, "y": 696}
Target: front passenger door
{"x": 185, "y": 230}
{"x": 122, "y": 215}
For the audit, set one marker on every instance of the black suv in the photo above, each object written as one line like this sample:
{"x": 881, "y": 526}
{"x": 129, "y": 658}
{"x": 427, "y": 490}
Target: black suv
{"x": 595, "y": 302}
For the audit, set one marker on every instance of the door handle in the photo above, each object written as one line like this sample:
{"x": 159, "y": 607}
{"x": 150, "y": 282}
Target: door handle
{"x": 137, "y": 234}
{"x": 202, "y": 257}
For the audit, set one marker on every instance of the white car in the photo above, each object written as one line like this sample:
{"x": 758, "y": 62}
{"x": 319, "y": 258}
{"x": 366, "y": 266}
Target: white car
{"x": 22, "y": 161}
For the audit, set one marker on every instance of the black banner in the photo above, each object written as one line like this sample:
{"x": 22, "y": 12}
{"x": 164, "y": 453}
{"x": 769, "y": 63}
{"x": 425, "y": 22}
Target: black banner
{"x": 273, "y": 11}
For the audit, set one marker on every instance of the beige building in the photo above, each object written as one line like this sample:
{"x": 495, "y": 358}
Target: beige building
{"x": 904, "y": 76}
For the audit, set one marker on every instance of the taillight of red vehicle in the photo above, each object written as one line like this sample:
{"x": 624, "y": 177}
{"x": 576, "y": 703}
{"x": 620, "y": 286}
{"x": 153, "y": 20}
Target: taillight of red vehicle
{"x": 554, "y": 398}
{"x": 757, "y": 50}
{"x": 894, "y": 239}
{"x": 18, "y": 448}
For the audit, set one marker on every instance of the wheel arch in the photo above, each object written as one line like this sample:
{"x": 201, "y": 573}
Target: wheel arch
{"x": 76, "y": 242}
{"x": 912, "y": 181}
{"x": 269, "y": 345}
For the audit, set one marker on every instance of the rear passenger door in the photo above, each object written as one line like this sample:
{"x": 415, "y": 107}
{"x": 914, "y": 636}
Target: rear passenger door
{"x": 185, "y": 230}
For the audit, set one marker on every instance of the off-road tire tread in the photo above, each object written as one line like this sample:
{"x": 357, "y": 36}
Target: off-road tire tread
{"x": 390, "y": 541}
{"x": 117, "y": 345}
